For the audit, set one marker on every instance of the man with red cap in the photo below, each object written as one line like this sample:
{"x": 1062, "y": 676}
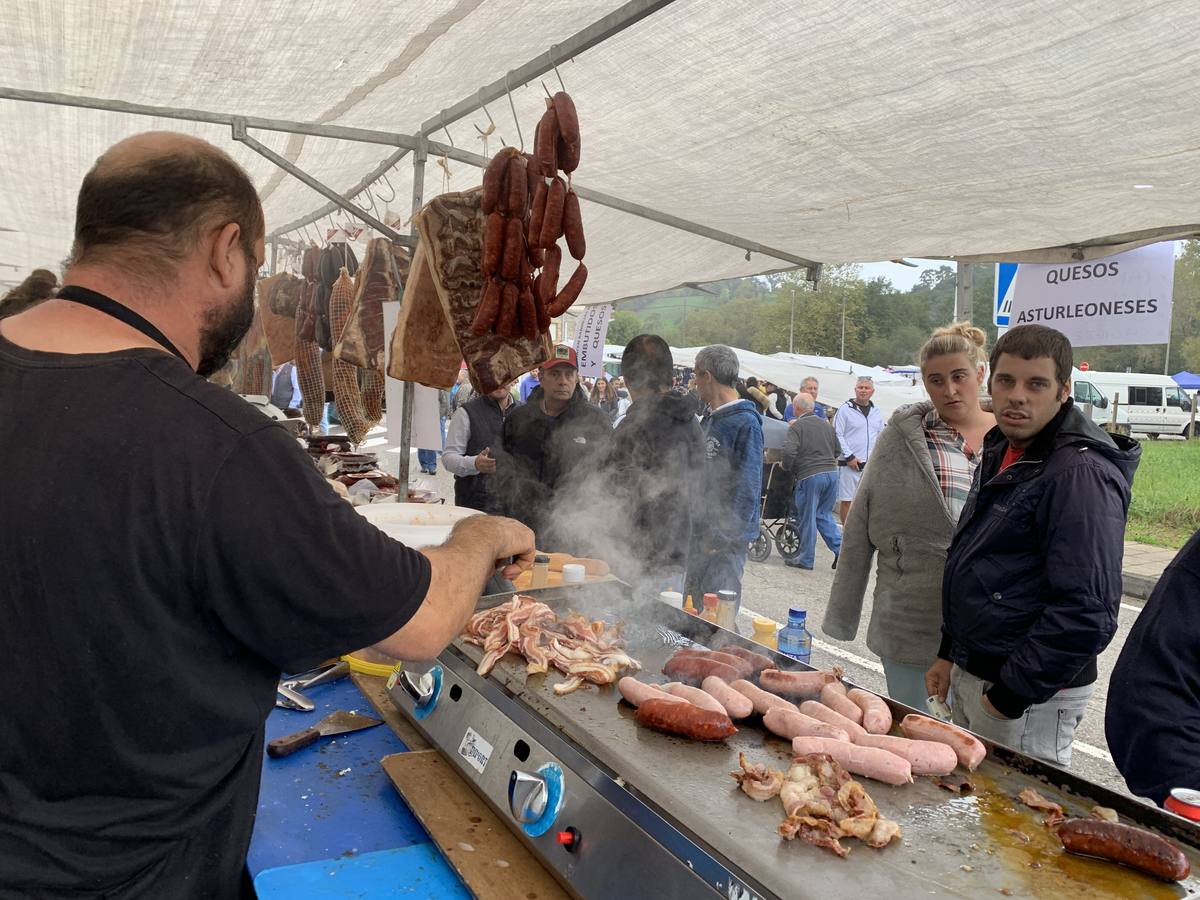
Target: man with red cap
{"x": 547, "y": 443}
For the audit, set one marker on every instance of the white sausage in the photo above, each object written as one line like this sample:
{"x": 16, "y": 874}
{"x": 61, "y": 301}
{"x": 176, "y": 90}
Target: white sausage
{"x": 762, "y": 700}
{"x": 926, "y": 757}
{"x": 638, "y": 692}
{"x": 840, "y": 703}
{"x": 839, "y": 686}
{"x": 825, "y": 714}
{"x": 789, "y": 724}
{"x": 969, "y": 749}
{"x": 695, "y": 696}
{"x": 876, "y": 714}
{"x": 795, "y": 685}
{"x": 737, "y": 705}
{"x": 866, "y": 761}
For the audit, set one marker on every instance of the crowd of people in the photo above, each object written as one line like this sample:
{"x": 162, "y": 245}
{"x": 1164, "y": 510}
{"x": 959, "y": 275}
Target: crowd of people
{"x": 997, "y": 529}
{"x": 995, "y": 523}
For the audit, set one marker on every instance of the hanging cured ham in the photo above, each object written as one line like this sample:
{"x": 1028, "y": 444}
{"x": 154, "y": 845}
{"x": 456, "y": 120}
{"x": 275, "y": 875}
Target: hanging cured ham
{"x": 359, "y": 407}
{"x": 362, "y": 339}
{"x": 308, "y": 354}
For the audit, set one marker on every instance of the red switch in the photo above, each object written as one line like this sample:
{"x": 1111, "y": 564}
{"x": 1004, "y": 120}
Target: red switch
{"x": 568, "y": 838}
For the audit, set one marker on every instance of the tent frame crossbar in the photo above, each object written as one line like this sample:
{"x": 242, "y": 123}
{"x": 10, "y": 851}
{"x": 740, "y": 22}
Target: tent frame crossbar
{"x": 406, "y": 142}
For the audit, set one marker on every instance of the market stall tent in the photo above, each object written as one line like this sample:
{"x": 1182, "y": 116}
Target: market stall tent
{"x": 1189, "y": 381}
{"x": 824, "y": 132}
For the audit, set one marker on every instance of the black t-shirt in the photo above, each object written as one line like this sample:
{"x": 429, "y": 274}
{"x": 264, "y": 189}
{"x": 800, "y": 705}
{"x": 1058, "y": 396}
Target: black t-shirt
{"x": 165, "y": 552}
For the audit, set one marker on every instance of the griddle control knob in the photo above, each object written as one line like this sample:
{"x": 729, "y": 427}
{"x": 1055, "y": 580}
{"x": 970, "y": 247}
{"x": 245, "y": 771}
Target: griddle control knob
{"x": 527, "y": 796}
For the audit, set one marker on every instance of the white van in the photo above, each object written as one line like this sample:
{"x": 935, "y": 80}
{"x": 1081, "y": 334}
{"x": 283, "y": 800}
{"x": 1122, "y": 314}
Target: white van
{"x": 1151, "y": 404}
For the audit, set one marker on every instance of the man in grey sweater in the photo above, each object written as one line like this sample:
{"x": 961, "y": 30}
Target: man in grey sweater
{"x": 810, "y": 456}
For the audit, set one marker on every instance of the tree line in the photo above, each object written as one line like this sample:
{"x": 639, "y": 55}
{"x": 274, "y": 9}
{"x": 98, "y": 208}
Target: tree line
{"x": 883, "y": 324}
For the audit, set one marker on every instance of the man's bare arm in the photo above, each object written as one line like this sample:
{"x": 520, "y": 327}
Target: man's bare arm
{"x": 460, "y": 569}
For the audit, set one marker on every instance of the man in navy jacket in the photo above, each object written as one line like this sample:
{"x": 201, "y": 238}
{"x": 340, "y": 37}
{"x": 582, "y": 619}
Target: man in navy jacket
{"x": 1153, "y": 717}
{"x": 731, "y": 482}
{"x": 1032, "y": 582}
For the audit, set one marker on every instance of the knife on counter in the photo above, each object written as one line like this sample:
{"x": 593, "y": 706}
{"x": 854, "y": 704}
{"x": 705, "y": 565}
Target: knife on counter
{"x": 337, "y": 722}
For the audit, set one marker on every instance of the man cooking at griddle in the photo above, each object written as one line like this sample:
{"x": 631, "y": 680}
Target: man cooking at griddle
{"x": 167, "y": 550}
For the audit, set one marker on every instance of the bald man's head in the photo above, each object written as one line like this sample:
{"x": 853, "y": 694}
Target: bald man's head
{"x": 150, "y": 199}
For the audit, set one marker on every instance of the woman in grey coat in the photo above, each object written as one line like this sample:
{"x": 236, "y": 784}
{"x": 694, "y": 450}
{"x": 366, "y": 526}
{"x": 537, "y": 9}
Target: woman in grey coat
{"x": 906, "y": 509}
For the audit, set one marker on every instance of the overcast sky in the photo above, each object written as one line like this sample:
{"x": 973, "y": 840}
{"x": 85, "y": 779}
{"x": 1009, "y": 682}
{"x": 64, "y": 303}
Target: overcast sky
{"x": 903, "y": 277}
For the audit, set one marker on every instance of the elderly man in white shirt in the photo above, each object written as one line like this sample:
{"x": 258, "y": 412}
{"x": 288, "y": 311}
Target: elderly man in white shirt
{"x": 857, "y": 425}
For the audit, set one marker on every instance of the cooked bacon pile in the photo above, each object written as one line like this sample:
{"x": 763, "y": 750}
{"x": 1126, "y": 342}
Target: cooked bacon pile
{"x": 580, "y": 649}
{"x": 821, "y": 801}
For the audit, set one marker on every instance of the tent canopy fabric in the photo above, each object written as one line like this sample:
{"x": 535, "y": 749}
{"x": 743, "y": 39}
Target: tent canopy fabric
{"x": 1187, "y": 380}
{"x": 833, "y": 131}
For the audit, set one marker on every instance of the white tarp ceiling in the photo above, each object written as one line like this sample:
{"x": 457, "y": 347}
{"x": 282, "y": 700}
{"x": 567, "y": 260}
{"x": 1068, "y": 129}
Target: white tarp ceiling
{"x": 835, "y": 131}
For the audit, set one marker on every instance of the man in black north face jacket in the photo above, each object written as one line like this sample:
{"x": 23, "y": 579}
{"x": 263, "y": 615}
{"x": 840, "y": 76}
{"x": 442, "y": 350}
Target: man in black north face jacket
{"x": 1032, "y": 582}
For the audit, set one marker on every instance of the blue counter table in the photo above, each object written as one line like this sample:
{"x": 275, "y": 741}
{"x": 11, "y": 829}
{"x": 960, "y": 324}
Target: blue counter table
{"x": 330, "y": 823}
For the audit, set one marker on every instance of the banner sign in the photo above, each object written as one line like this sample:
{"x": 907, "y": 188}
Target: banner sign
{"x": 1121, "y": 299}
{"x": 589, "y": 339}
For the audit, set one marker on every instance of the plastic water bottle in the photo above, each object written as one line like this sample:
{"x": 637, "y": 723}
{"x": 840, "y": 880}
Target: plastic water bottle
{"x": 794, "y": 639}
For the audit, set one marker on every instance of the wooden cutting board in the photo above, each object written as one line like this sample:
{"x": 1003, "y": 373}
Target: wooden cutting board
{"x": 487, "y": 856}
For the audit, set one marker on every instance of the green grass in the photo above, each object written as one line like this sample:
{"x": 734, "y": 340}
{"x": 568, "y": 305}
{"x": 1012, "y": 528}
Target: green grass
{"x": 1166, "y": 494}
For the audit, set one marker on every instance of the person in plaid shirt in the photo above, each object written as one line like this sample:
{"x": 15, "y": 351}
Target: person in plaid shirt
{"x": 906, "y": 509}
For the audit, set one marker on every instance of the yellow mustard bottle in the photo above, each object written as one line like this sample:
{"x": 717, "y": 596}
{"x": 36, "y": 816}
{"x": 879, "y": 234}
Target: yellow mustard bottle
{"x": 765, "y": 632}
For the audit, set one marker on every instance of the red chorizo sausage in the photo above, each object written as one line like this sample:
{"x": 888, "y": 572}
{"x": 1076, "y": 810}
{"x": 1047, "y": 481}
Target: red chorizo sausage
{"x": 493, "y": 180}
{"x": 572, "y": 223}
{"x": 694, "y": 669}
{"x": 545, "y": 141}
{"x": 568, "y": 132}
{"x": 549, "y": 274}
{"x": 543, "y": 317}
{"x": 556, "y": 197}
{"x": 489, "y": 307}
{"x": 1134, "y": 847}
{"x": 745, "y": 670}
{"x": 757, "y": 661}
{"x": 537, "y": 213}
{"x": 518, "y": 187}
{"x": 795, "y": 685}
{"x": 493, "y": 243}
{"x": 514, "y": 250}
{"x": 506, "y": 326}
{"x": 570, "y": 292}
{"x": 685, "y": 719}
{"x": 529, "y": 316}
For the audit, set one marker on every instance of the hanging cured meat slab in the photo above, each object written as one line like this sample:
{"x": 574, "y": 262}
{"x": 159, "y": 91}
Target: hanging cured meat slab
{"x": 423, "y": 348}
{"x": 378, "y": 281}
{"x": 451, "y": 227}
{"x": 275, "y": 293}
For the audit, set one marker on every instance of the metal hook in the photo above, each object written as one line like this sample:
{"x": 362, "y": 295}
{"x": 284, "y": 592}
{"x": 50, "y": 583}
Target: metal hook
{"x": 554, "y": 66}
{"x": 445, "y": 130}
{"x": 513, "y": 107}
{"x": 359, "y": 205}
{"x": 483, "y": 106}
{"x": 390, "y": 188}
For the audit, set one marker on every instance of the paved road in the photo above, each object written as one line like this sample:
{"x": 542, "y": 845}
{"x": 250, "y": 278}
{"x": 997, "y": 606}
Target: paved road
{"x": 769, "y": 588}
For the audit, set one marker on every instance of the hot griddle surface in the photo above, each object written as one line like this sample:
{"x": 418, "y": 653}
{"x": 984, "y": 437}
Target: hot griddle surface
{"x": 964, "y": 846}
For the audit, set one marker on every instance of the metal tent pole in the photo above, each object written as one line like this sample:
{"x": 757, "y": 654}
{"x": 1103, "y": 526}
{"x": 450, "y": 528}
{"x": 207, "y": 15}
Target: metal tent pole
{"x": 646, "y": 212}
{"x": 369, "y": 179}
{"x": 337, "y": 132}
{"x": 239, "y": 134}
{"x": 410, "y": 391}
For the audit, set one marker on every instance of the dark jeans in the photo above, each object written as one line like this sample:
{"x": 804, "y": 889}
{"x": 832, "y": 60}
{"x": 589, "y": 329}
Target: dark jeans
{"x": 719, "y": 571}
{"x": 813, "y": 501}
{"x": 427, "y": 459}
